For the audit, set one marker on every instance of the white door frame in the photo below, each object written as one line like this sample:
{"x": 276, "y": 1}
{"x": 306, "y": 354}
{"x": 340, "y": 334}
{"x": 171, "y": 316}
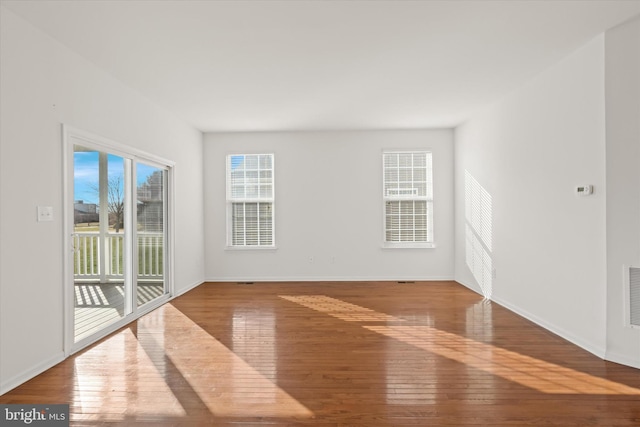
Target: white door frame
{"x": 70, "y": 137}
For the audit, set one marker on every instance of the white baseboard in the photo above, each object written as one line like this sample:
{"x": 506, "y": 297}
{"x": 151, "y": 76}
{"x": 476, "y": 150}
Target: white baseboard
{"x": 329, "y": 279}
{"x": 622, "y": 359}
{"x": 25, "y": 376}
{"x": 187, "y": 289}
{"x": 474, "y": 288}
{"x": 590, "y": 347}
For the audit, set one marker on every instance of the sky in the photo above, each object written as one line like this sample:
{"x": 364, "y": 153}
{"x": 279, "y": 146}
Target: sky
{"x": 85, "y": 174}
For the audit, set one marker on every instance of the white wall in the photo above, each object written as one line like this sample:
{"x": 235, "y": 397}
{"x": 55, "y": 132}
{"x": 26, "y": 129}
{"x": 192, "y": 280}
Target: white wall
{"x": 623, "y": 181}
{"x": 43, "y": 85}
{"x": 529, "y": 151}
{"x": 329, "y": 207}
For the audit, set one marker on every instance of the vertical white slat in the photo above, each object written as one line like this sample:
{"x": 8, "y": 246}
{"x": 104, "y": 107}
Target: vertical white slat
{"x": 109, "y": 255}
{"x": 121, "y": 255}
{"x": 143, "y": 249}
{"x": 147, "y": 255}
{"x": 83, "y": 253}
{"x": 157, "y": 255}
{"x": 88, "y": 254}
{"x": 114, "y": 255}
{"x": 91, "y": 270}
{"x": 118, "y": 257}
{"x": 97, "y": 255}
{"x": 85, "y": 256}
{"x": 76, "y": 246}
{"x": 152, "y": 255}
{"x": 107, "y": 246}
{"x": 81, "y": 269}
{"x": 140, "y": 240}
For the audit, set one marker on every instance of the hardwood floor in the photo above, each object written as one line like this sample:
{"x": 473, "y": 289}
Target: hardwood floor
{"x": 336, "y": 354}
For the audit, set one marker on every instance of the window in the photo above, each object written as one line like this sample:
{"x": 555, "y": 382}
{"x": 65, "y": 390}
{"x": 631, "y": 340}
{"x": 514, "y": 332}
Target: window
{"x": 408, "y": 199}
{"x": 250, "y": 200}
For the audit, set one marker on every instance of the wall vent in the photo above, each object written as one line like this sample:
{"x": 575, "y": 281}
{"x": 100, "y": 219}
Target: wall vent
{"x": 633, "y": 297}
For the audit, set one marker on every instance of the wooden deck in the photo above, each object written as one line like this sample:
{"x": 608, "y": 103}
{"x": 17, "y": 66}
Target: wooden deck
{"x": 336, "y": 354}
{"x": 98, "y": 305}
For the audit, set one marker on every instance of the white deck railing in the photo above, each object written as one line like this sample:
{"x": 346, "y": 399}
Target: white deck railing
{"x": 87, "y": 256}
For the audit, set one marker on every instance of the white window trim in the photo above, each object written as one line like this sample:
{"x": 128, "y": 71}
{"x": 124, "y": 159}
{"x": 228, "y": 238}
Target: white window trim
{"x": 230, "y": 201}
{"x": 430, "y": 213}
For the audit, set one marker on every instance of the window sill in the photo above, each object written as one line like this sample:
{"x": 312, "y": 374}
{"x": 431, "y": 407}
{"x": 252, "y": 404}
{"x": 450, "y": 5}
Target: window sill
{"x": 408, "y": 245}
{"x": 250, "y": 248}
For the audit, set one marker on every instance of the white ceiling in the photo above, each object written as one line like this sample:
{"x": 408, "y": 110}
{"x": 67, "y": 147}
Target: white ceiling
{"x": 302, "y": 65}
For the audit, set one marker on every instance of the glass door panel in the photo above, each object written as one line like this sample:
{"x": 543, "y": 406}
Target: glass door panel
{"x": 151, "y": 209}
{"x": 99, "y": 240}
{"x": 116, "y": 222}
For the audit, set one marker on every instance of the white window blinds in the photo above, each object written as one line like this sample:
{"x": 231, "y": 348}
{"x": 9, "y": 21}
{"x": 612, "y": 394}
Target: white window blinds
{"x": 250, "y": 200}
{"x": 408, "y": 198}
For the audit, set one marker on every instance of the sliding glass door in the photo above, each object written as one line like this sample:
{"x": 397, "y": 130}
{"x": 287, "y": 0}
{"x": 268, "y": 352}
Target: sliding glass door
{"x": 99, "y": 239}
{"x": 151, "y": 213}
{"x": 118, "y": 216}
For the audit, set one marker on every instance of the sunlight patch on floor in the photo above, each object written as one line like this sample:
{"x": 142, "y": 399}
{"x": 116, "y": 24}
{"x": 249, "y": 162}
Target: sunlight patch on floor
{"x": 225, "y": 383}
{"x": 540, "y": 375}
{"x": 107, "y": 394}
{"x": 509, "y": 365}
{"x": 340, "y": 309}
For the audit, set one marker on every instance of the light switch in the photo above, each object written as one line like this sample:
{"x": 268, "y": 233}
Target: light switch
{"x": 45, "y": 213}
{"x": 584, "y": 190}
